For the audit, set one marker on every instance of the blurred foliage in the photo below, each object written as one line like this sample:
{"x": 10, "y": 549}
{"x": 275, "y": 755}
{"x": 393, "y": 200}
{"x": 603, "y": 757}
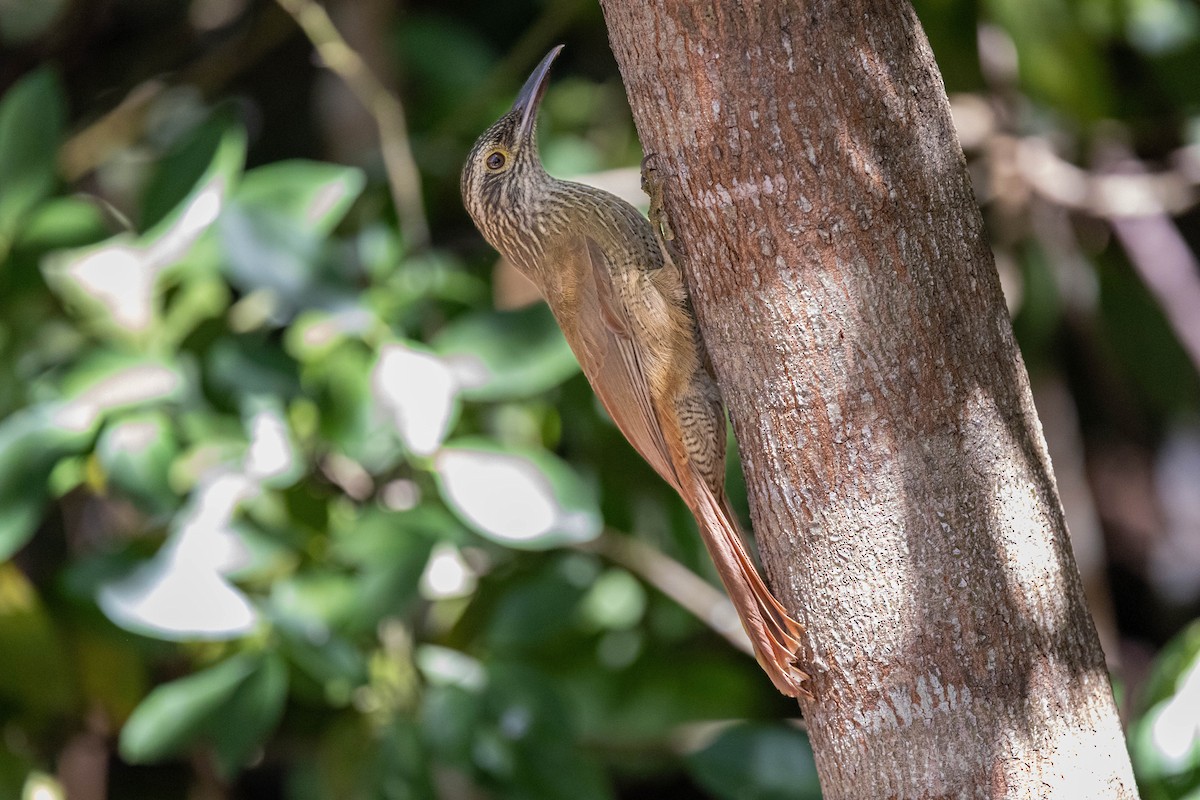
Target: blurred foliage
{"x": 289, "y": 509}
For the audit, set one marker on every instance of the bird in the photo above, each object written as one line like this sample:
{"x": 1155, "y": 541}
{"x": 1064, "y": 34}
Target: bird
{"x": 615, "y": 289}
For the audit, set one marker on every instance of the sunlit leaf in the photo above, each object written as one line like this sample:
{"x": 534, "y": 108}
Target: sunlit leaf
{"x": 169, "y": 599}
{"x": 115, "y": 284}
{"x": 271, "y": 457}
{"x": 418, "y": 392}
{"x": 40, "y": 786}
{"x": 1165, "y": 740}
{"x": 182, "y": 593}
{"x": 206, "y": 163}
{"x": 442, "y": 666}
{"x": 504, "y": 355}
{"x": 108, "y": 382}
{"x": 615, "y": 600}
{"x": 447, "y": 575}
{"x": 528, "y": 499}
{"x": 315, "y": 333}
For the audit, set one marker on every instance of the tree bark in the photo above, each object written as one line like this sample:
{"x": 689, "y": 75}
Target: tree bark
{"x": 903, "y": 499}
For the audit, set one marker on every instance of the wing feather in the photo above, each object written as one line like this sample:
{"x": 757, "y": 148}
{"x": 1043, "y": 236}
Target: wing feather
{"x": 609, "y": 356}
{"x": 615, "y": 367}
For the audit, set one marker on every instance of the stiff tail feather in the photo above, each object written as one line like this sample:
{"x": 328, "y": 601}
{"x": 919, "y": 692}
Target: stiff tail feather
{"x": 774, "y": 634}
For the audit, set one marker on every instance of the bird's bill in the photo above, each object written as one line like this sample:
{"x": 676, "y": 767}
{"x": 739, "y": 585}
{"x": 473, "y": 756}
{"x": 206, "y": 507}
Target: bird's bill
{"x": 530, "y": 96}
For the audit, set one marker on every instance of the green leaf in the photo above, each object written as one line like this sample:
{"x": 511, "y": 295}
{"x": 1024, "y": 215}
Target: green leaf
{"x": 535, "y": 614}
{"x": 508, "y": 355}
{"x": 418, "y": 392}
{"x": 250, "y": 714}
{"x": 13, "y": 771}
{"x": 209, "y": 159}
{"x": 249, "y": 367}
{"x": 319, "y": 599}
{"x": 176, "y": 713}
{"x": 1061, "y": 63}
{"x": 527, "y": 740}
{"x": 116, "y": 286}
{"x": 32, "y": 113}
{"x": 523, "y": 498}
{"x": 758, "y": 762}
{"x": 32, "y": 441}
{"x": 311, "y": 194}
{"x": 335, "y": 665}
{"x": 1165, "y": 741}
{"x": 63, "y": 222}
{"x": 112, "y": 675}
{"x": 390, "y": 551}
{"x": 107, "y": 382}
{"x": 449, "y": 719}
{"x": 136, "y": 453}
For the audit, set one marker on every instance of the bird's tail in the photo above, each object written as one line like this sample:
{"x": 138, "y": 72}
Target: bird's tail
{"x": 774, "y": 634}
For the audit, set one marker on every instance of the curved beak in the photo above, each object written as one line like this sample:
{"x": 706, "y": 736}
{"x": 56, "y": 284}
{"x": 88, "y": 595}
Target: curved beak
{"x": 530, "y": 96}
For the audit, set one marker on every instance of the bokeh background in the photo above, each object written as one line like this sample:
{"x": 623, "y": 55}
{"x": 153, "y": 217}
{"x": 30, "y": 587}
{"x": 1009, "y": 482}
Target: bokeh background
{"x": 300, "y": 497}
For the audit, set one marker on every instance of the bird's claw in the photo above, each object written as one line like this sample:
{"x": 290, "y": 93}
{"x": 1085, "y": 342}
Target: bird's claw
{"x": 652, "y": 185}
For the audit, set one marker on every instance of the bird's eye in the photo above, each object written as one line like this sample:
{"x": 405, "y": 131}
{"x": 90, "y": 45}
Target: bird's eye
{"x": 495, "y": 161}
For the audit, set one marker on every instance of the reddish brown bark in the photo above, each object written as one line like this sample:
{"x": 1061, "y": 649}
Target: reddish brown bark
{"x": 899, "y": 483}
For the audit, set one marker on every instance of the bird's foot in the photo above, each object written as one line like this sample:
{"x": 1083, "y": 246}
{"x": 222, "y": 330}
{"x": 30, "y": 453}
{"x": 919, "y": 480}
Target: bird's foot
{"x": 652, "y": 185}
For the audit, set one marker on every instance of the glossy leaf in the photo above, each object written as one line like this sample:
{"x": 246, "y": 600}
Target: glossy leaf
{"x": 520, "y": 498}
{"x": 419, "y": 394}
{"x": 506, "y": 355}
{"x": 202, "y": 167}
{"x": 1165, "y": 740}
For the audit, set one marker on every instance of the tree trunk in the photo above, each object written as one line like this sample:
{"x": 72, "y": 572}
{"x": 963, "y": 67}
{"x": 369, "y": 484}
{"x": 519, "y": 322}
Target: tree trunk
{"x": 899, "y": 483}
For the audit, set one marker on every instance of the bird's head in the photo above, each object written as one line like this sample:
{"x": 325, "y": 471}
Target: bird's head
{"x": 502, "y": 174}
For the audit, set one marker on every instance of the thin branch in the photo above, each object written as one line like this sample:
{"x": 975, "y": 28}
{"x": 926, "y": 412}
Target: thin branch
{"x": 676, "y": 581}
{"x": 1136, "y": 202}
{"x": 404, "y": 178}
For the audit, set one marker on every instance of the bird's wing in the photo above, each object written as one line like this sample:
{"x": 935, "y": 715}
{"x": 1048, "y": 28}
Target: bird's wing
{"x": 609, "y": 356}
{"x": 611, "y": 359}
